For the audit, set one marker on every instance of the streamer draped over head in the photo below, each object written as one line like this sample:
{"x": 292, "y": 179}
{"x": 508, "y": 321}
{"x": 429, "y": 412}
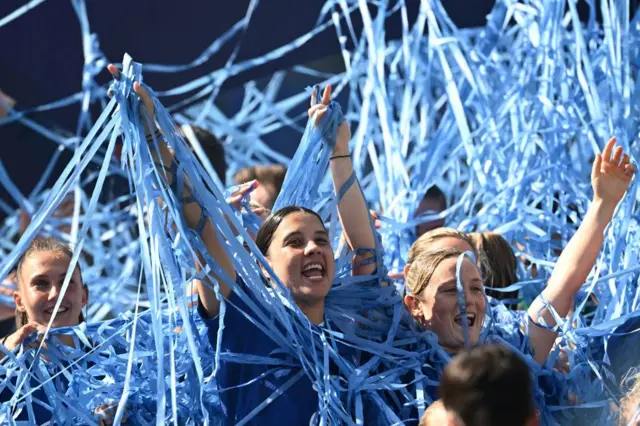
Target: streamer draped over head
{"x": 505, "y": 119}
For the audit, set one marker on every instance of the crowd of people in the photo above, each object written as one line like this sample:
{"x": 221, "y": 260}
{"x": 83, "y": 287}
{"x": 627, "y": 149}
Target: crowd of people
{"x": 453, "y": 282}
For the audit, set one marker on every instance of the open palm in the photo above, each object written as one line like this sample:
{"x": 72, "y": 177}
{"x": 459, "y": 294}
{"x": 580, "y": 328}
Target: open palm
{"x": 611, "y": 173}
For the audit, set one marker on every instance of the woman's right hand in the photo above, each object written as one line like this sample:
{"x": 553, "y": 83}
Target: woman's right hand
{"x": 14, "y": 340}
{"x": 140, "y": 91}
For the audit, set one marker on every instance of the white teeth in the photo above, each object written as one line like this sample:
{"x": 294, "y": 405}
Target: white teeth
{"x": 470, "y": 318}
{"x": 311, "y": 266}
{"x": 62, "y": 310}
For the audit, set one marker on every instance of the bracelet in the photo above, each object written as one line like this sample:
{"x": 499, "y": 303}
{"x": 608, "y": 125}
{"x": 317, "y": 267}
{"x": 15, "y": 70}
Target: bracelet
{"x": 339, "y": 156}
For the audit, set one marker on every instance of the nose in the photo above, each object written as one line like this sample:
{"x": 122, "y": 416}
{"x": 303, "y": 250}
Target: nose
{"x": 470, "y": 297}
{"x": 311, "y": 248}
{"x": 54, "y": 291}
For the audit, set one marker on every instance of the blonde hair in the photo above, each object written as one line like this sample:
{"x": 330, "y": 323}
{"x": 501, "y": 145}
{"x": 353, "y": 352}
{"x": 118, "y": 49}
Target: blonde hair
{"x": 498, "y": 263}
{"x": 427, "y": 240}
{"x": 630, "y": 403}
{"x": 41, "y": 244}
{"x": 422, "y": 268}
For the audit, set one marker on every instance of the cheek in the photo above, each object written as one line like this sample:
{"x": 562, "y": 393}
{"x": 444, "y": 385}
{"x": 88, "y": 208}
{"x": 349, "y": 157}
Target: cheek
{"x": 328, "y": 254}
{"x": 482, "y": 303}
{"x": 444, "y": 306}
{"x": 286, "y": 264}
{"x": 32, "y": 298}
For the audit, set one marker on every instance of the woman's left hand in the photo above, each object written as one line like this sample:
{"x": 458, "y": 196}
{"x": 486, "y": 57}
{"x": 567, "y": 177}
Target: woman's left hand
{"x": 344, "y": 131}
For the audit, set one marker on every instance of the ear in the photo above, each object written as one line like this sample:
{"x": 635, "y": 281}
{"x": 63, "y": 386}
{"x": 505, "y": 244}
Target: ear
{"x": 85, "y": 295}
{"x": 412, "y": 305}
{"x": 264, "y": 271}
{"x": 405, "y": 271}
{"x": 18, "y": 301}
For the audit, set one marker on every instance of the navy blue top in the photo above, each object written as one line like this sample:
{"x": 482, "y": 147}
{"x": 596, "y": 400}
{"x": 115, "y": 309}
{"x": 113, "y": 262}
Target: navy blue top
{"x": 244, "y": 386}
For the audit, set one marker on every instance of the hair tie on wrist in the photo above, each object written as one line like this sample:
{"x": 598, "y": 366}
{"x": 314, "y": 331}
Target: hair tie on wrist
{"x": 339, "y": 156}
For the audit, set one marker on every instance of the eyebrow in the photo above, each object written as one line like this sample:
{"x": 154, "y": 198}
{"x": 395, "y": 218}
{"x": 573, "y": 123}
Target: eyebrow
{"x": 36, "y": 277}
{"x": 455, "y": 282}
{"x": 299, "y": 234}
{"x": 44, "y": 275}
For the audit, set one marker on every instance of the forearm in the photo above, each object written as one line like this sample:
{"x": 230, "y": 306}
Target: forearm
{"x": 578, "y": 257}
{"x": 353, "y": 212}
{"x": 192, "y": 213}
{"x": 570, "y": 272}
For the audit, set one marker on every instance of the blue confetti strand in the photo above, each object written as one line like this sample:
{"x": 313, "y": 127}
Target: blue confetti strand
{"x": 505, "y": 119}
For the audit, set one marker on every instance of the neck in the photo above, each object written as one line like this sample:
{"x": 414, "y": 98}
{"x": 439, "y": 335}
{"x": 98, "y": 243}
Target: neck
{"x": 313, "y": 311}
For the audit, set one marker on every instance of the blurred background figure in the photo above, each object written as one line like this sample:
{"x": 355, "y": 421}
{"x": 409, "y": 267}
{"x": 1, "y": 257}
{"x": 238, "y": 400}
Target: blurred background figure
{"x": 489, "y": 386}
{"x": 434, "y": 202}
{"x": 498, "y": 265}
{"x": 270, "y": 180}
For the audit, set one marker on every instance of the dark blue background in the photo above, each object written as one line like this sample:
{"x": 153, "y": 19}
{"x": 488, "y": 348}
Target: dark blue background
{"x": 41, "y": 57}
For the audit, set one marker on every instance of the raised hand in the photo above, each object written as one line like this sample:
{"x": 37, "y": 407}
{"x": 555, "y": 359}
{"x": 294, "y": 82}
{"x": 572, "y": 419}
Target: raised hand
{"x": 14, "y": 340}
{"x": 235, "y": 198}
{"x": 611, "y": 174}
{"x": 140, "y": 91}
{"x": 344, "y": 131}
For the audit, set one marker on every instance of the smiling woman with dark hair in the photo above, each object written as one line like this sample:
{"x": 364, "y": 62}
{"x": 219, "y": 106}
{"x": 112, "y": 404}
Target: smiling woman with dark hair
{"x": 296, "y": 245}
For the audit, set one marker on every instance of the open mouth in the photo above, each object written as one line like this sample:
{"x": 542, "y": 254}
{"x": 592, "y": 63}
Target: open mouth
{"x": 62, "y": 310}
{"x": 471, "y": 319}
{"x": 313, "y": 271}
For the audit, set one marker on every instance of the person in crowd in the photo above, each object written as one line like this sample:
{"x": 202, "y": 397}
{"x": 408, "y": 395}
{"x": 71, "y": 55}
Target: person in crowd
{"x": 9, "y": 284}
{"x": 213, "y": 149}
{"x": 296, "y": 245}
{"x": 433, "y": 202}
{"x": 40, "y": 275}
{"x": 498, "y": 265}
{"x": 489, "y": 386}
{"x": 432, "y": 294}
{"x": 270, "y": 180}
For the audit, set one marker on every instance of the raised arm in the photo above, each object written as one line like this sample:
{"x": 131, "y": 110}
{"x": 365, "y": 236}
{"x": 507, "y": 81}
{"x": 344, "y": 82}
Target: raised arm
{"x": 192, "y": 213}
{"x": 610, "y": 178}
{"x": 352, "y": 210}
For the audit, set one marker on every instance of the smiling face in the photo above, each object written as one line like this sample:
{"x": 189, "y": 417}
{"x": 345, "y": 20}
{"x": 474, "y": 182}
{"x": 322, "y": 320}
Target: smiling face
{"x": 41, "y": 277}
{"x": 436, "y": 307}
{"x": 302, "y": 257}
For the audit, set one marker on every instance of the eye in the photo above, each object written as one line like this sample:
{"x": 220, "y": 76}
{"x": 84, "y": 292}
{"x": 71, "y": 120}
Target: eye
{"x": 294, "y": 242}
{"x": 477, "y": 288}
{"x": 41, "y": 283}
{"x": 322, "y": 241}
